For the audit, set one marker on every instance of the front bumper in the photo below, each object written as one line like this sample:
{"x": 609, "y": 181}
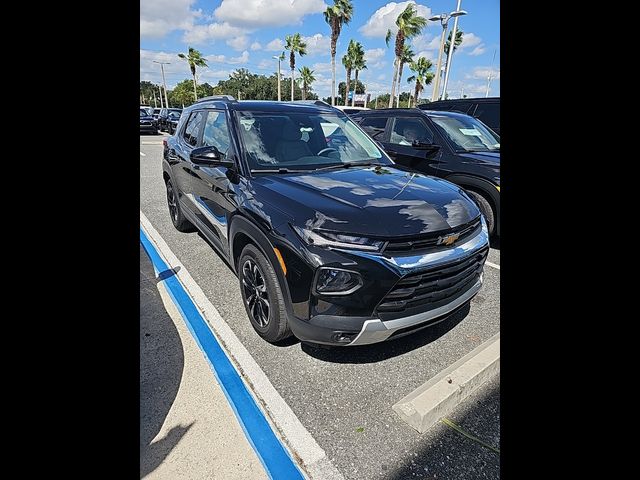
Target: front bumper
{"x": 333, "y": 328}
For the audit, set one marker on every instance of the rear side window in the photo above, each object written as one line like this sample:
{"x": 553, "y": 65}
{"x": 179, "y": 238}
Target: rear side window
{"x": 374, "y": 126}
{"x": 489, "y": 114}
{"x": 194, "y": 125}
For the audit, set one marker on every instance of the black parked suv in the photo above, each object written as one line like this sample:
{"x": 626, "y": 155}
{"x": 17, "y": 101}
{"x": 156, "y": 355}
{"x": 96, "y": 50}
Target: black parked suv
{"x": 147, "y": 122}
{"x": 487, "y": 110}
{"x": 335, "y": 245}
{"x": 166, "y": 116}
{"x": 453, "y": 146}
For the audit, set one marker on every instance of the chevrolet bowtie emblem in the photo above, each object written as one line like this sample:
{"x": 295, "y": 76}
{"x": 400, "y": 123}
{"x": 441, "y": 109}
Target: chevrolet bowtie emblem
{"x": 448, "y": 239}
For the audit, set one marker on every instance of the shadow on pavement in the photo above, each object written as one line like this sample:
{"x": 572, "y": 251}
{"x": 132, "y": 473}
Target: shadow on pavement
{"x": 389, "y": 349}
{"x": 446, "y": 453}
{"x": 161, "y": 366}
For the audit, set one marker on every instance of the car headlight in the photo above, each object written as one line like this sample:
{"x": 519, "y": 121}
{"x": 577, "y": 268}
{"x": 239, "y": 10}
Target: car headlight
{"x": 338, "y": 240}
{"x": 337, "y": 281}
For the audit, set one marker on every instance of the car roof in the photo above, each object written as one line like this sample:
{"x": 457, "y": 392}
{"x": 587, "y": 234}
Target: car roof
{"x": 311, "y": 106}
{"x": 412, "y": 110}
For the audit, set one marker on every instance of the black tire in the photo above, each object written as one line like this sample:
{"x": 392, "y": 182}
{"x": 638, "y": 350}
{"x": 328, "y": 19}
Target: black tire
{"x": 175, "y": 212}
{"x": 485, "y": 208}
{"x": 270, "y": 298}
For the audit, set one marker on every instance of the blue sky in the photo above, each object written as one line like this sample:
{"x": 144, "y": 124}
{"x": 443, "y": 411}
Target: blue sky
{"x": 247, "y": 33}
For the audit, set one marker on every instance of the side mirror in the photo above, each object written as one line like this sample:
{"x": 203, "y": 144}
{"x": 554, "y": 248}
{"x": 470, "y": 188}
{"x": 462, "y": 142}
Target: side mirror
{"x": 424, "y": 145}
{"x": 209, "y": 156}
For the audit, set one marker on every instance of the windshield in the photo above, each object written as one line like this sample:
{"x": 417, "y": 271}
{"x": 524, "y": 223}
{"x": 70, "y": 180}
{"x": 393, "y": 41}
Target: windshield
{"x": 174, "y": 113}
{"x": 156, "y": 111}
{"x": 304, "y": 141}
{"x": 143, "y": 112}
{"x": 467, "y": 133}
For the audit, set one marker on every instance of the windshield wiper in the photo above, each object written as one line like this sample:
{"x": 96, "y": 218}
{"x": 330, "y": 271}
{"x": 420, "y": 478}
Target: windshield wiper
{"x": 277, "y": 170}
{"x": 352, "y": 164}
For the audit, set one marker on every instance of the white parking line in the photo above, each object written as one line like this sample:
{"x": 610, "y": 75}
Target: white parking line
{"x": 494, "y": 265}
{"x": 313, "y": 458}
{"x": 143, "y": 154}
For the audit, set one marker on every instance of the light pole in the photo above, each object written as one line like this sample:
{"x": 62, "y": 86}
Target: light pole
{"x": 451, "y": 48}
{"x": 444, "y": 21}
{"x": 160, "y": 93}
{"x": 279, "y": 58}
{"x": 164, "y": 83}
{"x": 490, "y": 74}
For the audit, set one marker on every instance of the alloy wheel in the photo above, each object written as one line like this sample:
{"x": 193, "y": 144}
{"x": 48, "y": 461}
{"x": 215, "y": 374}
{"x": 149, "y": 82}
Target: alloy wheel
{"x": 255, "y": 293}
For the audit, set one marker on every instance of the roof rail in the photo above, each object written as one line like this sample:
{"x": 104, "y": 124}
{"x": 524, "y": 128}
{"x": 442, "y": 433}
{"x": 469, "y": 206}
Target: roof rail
{"x": 312, "y": 102}
{"x": 224, "y": 98}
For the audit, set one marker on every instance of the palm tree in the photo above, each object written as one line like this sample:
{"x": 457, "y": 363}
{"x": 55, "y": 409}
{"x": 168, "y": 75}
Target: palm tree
{"x": 359, "y": 63}
{"x": 409, "y": 25}
{"x": 348, "y": 60}
{"x": 336, "y": 16}
{"x": 422, "y": 76}
{"x": 459, "y": 35}
{"x": 307, "y": 78}
{"x": 195, "y": 59}
{"x": 407, "y": 57}
{"x": 295, "y": 45}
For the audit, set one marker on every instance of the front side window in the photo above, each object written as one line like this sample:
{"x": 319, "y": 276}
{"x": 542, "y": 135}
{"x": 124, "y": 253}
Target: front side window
{"x": 304, "y": 140}
{"x": 216, "y": 131}
{"x": 194, "y": 125}
{"x": 467, "y": 134}
{"x": 406, "y": 130}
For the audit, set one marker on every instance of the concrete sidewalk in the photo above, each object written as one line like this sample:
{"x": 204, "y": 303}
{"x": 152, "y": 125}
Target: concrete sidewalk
{"x": 187, "y": 428}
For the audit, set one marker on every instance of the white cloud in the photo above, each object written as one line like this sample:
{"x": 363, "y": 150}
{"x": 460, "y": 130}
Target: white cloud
{"x": 479, "y": 50}
{"x": 323, "y": 67}
{"x": 385, "y": 18}
{"x": 238, "y": 43}
{"x": 213, "y": 76}
{"x": 244, "y": 58}
{"x": 318, "y": 44}
{"x": 382, "y": 76}
{"x": 266, "y": 64}
{"x": 256, "y": 46}
{"x": 201, "y": 34}
{"x": 481, "y": 73}
{"x": 215, "y": 58}
{"x": 374, "y": 54}
{"x": 275, "y": 45}
{"x": 267, "y": 13}
{"x": 429, "y": 55}
{"x": 426, "y": 42}
{"x": 469, "y": 40}
{"x": 176, "y": 71}
{"x": 159, "y": 17}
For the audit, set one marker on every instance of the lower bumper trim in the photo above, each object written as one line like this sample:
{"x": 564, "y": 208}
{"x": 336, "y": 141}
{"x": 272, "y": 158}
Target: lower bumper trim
{"x": 375, "y": 330}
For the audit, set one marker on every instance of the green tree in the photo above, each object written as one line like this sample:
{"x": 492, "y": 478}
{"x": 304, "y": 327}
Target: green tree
{"x": 407, "y": 57}
{"x": 336, "y": 16}
{"x": 295, "y": 45}
{"x": 348, "y": 60}
{"x": 195, "y": 59}
{"x": 409, "y": 25}
{"x": 422, "y": 76}
{"x": 447, "y": 46}
{"x": 359, "y": 63}
{"x": 307, "y": 78}
{"x": 148, "y": 91}
{"x": 182, "y": 94}
{"x": 359, "y": 88}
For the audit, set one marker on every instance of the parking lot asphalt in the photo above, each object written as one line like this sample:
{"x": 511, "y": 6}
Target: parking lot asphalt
{"x": 344, "y": 396}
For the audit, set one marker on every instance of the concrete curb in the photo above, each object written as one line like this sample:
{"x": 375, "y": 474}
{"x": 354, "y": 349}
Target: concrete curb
{"x": 431, "y": 401}
{"x": 305, "y": 450}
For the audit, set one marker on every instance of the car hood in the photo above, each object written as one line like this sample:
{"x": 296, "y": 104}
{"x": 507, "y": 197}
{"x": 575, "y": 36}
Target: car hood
{"x": 370, "y": 201}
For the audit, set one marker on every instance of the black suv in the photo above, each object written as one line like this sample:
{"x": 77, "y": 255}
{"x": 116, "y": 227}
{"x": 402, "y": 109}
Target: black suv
{"x": 453, "y": 146}
{"x": 168, "y": 117}
{"x": 147, "y": 122}
{"x": 335, "y": 245}
{"x": 487, "y": 110}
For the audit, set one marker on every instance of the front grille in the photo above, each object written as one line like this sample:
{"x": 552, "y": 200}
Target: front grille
{"x": 430, "y": 241}
{"x": 432, "y": 288}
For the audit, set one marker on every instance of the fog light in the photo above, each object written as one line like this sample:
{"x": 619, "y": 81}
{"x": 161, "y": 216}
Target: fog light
{"x": 336, "y": 281}
{"x": 344, "y": 337}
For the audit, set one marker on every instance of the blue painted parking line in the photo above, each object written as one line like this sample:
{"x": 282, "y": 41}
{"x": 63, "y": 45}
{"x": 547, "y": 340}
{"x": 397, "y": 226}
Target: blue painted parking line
{"x": 274, "y": 457}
